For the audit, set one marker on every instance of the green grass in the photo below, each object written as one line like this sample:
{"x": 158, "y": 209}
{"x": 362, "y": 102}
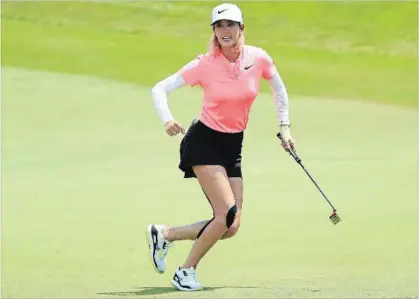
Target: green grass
{"x": 84, "y": 170}
{"x": 336, "y": 50}
{"x": 86, "y": 165}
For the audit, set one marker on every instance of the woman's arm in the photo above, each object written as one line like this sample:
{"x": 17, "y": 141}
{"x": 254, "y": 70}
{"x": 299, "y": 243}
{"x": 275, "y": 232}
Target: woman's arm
{"x": 280, "y": 98}
{"x": 160, "y": 91}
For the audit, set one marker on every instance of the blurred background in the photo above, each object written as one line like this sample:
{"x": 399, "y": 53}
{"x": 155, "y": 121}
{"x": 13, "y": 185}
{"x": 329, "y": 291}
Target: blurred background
{"x": 86, "y": 164}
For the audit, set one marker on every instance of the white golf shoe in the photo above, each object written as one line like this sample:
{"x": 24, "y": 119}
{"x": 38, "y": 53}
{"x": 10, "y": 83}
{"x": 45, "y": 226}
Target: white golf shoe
{"x": 158, "y": 246}
{"x": 185, "y": 280}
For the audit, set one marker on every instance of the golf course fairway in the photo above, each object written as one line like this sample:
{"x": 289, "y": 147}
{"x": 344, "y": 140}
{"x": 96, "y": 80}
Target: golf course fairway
{"x": 86, "y": 164}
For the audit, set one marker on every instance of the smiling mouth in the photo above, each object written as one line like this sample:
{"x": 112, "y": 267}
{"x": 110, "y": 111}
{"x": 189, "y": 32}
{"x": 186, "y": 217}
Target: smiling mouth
{"x": 226, "y": 38}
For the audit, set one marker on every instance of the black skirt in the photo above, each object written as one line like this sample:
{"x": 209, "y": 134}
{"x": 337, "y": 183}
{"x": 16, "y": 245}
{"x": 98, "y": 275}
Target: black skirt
{"x": 202, "y": 145}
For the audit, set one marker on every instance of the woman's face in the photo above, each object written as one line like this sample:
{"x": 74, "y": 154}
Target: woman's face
{"x": 227, "y": 32}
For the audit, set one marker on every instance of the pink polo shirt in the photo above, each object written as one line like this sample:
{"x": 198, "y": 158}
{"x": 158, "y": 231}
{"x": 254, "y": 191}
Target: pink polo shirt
{"x": 230, "y": 89}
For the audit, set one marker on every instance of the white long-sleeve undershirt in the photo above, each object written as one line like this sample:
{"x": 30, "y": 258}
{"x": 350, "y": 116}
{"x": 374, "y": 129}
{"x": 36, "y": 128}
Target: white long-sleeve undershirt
{"x": 160, "y": 91}
{"x": 280, "y": 96}
{"x": 164, "y": 87}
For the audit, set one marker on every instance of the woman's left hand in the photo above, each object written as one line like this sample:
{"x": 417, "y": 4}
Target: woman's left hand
{"x": 287, "y": 140}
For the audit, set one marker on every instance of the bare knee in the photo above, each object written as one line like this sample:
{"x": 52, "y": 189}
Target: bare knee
{"x": 231, "y": 232}
{"x": 234, "y": 228}
{"x": 226, "y": 216}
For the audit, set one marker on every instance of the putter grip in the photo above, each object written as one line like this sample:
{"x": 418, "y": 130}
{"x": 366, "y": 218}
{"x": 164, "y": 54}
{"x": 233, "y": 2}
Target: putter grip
{"x": 291, "y": 152}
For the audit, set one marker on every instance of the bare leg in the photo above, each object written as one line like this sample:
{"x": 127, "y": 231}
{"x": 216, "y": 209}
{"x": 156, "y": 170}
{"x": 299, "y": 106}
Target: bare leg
{"x": 186, "y": 232}
{"x": 214, "y": 181}
{"x": 191, "y": 231}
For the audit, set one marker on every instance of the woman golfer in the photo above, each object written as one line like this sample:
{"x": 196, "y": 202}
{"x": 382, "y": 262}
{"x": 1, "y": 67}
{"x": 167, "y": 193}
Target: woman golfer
{"x": 229, "y": 74}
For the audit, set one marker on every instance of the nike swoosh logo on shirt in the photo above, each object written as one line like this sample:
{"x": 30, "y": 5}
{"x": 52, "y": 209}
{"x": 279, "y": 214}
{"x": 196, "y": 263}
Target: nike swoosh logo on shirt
{"x": 248, "y": 67}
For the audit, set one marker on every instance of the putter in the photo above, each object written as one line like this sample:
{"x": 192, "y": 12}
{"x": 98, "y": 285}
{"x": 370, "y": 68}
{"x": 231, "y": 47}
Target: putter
{"x": 334, "y": 217}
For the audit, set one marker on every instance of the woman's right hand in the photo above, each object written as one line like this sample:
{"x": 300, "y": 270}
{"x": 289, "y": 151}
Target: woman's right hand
{"x": 173, "y": 128}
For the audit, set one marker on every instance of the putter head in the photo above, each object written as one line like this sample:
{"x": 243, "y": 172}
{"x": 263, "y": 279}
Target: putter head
{"x": 334, "y": 218}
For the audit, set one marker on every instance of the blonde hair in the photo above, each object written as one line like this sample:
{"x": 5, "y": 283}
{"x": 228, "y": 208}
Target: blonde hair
{"x": 215, "y": 47}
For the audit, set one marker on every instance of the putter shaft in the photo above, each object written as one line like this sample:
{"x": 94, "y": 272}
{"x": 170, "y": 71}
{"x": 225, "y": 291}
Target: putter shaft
{"x": 298, "y": 160}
